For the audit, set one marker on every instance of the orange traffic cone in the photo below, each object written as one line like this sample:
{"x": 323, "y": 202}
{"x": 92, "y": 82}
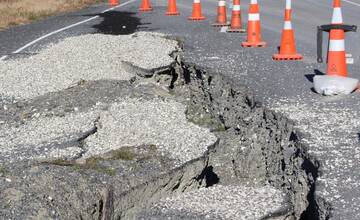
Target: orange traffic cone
{"x": 221, "y": 14}
{"x": 145, "y": 6}
{"x": 336, "y": 54}
{"x": 172, "y": 11}
{"x": 254, "y": 28}
{"x": 336, "y": 81}
{"x": 236, "y": 24}
{"x": 113, "y": 2}
{"x": 287, "y": 47}
{"x": 196, "y": 13}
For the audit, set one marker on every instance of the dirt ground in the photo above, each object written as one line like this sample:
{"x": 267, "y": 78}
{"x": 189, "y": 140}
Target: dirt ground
{"x": 15, "y": 12}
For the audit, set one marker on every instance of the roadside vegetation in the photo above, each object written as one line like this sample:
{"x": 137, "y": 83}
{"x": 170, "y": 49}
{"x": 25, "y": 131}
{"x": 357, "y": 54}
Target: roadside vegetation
{"x": 15, "y": 12}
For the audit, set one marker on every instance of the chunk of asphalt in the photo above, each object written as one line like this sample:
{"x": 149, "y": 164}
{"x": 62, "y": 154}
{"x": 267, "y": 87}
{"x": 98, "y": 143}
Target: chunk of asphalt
{"x": 135, "y": 122}
{"x": 87, "y": 57}
{"x": 45, "y": 137}
{"x": 219, "y": 202}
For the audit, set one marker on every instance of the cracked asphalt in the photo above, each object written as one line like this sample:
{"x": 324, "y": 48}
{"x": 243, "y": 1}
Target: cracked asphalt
{"x": 330, "y": 125}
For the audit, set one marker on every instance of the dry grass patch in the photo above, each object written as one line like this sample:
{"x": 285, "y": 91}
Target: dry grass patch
{"x": 14, "y": 12}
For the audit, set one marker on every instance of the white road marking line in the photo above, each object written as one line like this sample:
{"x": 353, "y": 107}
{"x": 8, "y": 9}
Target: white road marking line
{"x": 223, "y": 29}
{"x": 353, "y": 3}
{"x": 65, "y": 28}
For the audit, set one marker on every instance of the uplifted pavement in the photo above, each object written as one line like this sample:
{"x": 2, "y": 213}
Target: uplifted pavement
{"x": 328, "y": 124}
{"x": 83, "y": 129}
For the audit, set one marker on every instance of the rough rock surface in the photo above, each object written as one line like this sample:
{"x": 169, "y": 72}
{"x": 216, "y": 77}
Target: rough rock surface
{"x": 107, "y": 147}
{"x": 330, "y": 129}
{"x": 289, "y": 83}
{"x": 219, "y": 202}
{"x": 45, "y": 137}
{"x": 155, "y": 122}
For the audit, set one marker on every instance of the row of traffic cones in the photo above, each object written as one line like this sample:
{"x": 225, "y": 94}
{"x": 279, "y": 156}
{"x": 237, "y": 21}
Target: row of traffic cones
{"x": 287, "y": 50}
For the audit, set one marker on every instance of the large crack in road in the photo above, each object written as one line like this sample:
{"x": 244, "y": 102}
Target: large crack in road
{"x": 255, "y": 164}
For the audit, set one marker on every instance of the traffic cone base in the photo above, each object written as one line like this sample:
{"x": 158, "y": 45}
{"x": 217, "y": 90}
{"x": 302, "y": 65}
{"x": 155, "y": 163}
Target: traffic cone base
{"x": 197, "y": 18}
{"x": 287, "y": 57}
{"x": 236, "y": 30}
{"x": 253, "y": 44}
{"x": 172, "y": 13}
{"x": 220, "y": 24}
{"x": 145, "y": 9}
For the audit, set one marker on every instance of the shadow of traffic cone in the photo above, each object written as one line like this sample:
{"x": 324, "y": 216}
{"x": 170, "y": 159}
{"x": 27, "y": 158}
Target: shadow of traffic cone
{"x": 172, "y": 10}
{"x": 254, "y": 27}
{"x": 336, "y": 81}
{"x": 236, "y": 23}
{"x": 221, "y": 19}
{"x": 145, "y": 6}
{"x": 196, "y": 13}
{"x": 113, "y": 2}
{"x": 287, "y": 47}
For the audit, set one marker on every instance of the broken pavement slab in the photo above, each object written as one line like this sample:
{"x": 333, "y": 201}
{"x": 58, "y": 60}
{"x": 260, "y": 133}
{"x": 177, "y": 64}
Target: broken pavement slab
{"x": 87, "y": 57}
{"x": 154, "y": 122}
{"x": 220, "y": 202}
{"x": 142, "y": 141}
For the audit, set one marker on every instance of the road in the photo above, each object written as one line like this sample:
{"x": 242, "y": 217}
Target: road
{"x": 331, "y": 126}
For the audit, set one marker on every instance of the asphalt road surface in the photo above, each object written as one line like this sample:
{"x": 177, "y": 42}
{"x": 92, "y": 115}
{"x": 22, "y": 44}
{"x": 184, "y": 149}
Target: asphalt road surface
{"x": 287, "y": 83}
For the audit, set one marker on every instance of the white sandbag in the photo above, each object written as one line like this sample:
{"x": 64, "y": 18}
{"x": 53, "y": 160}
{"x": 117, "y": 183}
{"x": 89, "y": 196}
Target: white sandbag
{"x": 334, "y": 85}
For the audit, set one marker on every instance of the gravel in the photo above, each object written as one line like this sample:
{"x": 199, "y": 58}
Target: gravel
{"x": 44, "y": 137}
{"x": 132, "y": 122}
{"x": 332, "y": 133}
{"x": 221, "y": 202}
{"x": 162, "y": 123}
{"x": 86, "y": 57}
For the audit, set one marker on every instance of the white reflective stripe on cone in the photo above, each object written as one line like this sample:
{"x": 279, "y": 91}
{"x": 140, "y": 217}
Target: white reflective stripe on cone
{"x": 196, "y": 1}
{"x": 337, "y": 16}
{"x": 287, "y": 25}
{"x": 288, "y": 4}
{"x": 254, "y": 17}
{"x": 222, "y": 3}
{"x": 337, "y": 45}
{"x": 236, "y": 8}
{"x": 253, "y": 2}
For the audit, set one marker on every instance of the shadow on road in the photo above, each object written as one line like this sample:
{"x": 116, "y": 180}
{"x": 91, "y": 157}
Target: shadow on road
{"x": 118, "y": 23}
{"x": 310, "y": 77}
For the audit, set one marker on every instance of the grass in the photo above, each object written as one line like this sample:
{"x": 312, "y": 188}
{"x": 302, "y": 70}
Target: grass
{"x": 94, "y": 163}
{"x": 124, "y": 153}
{"x": 3, "y": 170}
{"x": 15, "y": 12}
